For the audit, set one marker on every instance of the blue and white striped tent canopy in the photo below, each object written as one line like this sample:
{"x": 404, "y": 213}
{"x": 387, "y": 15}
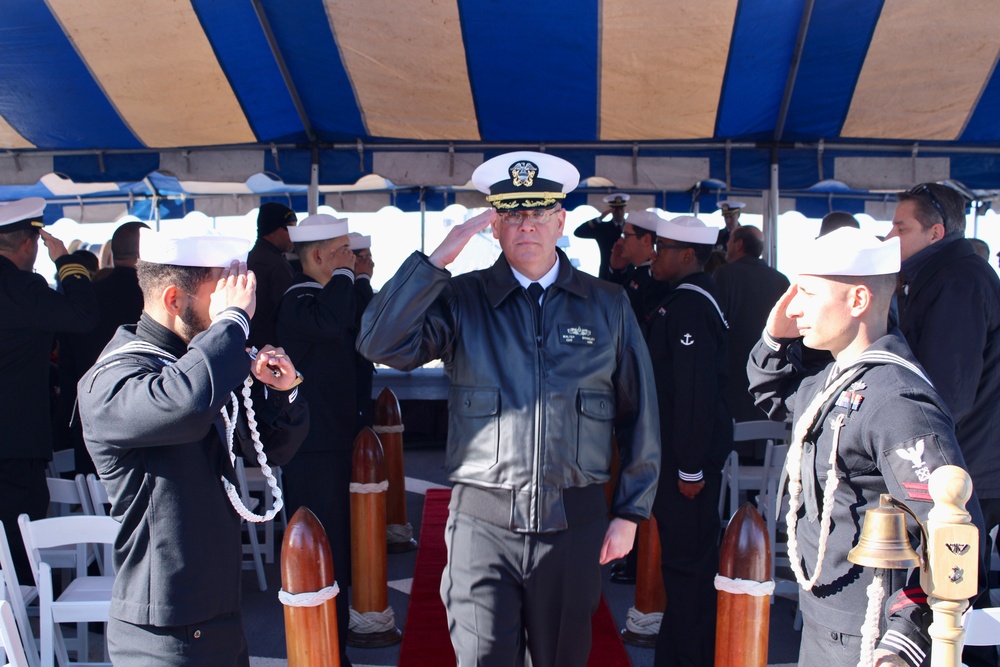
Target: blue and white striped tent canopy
{"x": 216, "y": 104}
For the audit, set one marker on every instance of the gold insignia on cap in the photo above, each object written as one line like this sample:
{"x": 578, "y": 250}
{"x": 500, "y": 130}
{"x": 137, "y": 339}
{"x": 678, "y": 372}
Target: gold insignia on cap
{"x": 522, "y": 174}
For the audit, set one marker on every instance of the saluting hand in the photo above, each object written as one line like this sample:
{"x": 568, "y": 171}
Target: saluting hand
{"x": 55, "y": 247}
{"x": 273, "y": 367}
{"x": 236, "y": 287}
{"x": 341, "y": 257}
{"x": 459, "y": 237}
{"x": 779, "y": 324}
{"x": 618, "y": 261}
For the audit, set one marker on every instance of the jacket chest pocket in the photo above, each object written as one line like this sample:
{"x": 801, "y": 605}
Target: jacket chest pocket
{"x": 596, "y": 414}
{"x": 473, "y": 426}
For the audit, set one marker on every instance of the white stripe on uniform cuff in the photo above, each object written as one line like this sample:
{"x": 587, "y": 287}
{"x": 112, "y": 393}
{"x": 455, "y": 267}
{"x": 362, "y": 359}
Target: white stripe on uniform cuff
{"x": 235, "y": 316}
{"x": 770, "y": 342}
{"x": 343, "y": 272}
{"x": 690, "y": 477}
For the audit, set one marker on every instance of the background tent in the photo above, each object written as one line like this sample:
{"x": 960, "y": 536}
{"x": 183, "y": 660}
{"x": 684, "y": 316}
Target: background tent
{"x": 163, "y": 107}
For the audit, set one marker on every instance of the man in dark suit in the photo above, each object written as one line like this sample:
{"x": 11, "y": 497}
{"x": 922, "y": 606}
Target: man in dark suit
{"x": 274, "y": 273}
{"x": 747, "y": 288}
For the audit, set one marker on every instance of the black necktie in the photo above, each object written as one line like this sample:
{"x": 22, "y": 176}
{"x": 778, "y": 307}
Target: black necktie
{"x": 535, "y": 292}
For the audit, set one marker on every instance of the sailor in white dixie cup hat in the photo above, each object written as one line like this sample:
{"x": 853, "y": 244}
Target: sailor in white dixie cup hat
{"x": 317, "y": 323}
{"x": 30, "y": 314}
{"x": 688, "y": 342}
{"x": 867, "y": 423}
{"x": 163, "y": 410}
{"x": 540, "y": 356}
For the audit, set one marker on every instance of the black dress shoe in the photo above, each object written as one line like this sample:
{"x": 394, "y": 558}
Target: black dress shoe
{"x": 618, "y": 566}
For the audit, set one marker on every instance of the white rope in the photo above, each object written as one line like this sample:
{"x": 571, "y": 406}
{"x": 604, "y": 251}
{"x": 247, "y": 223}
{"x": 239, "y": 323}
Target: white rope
{"x": 308, "y": 599}
{"x": 378, "y": 428}
{"x": 643, "y": 624}
{"x": 793, "y": 466}
{"x": 757, "y": 589}
{"x": 231, "y": 492}
{"x": 372, "y": 622}
{"x": 397, "y": 533}
{"x": 869, "y": 631}
{"x": 378, "y": 487}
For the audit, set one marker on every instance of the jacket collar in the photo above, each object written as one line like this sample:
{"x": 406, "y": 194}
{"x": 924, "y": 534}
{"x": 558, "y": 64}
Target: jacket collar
{"x": 934, "y": 256}
{"x": 500, "y": 281}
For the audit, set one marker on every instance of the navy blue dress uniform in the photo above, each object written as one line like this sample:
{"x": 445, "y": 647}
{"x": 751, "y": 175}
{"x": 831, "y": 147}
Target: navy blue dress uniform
{"x": 730, "y": 210}
{"x": 317, "y": 327}
{"x": 536, "y": 389}
{"x": 687, "y": 337}
{"x": 606, "y": 233}
{"x": 32, "y": 314}
{"x": 151, "y": 410}
{"x": 274, "y": 273}
{"x": 891, "y": 430}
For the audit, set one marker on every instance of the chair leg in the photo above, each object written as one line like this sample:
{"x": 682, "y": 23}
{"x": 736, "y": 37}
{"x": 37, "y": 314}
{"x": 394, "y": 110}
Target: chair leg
{"x": 45, "y": 627}
{"x": 257, "y": 560}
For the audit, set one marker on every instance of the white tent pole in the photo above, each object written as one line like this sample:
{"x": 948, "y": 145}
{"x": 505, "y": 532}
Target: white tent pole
{"x": 313, "y": 198}
{"x": 771, "y": 221}
{"x": 423, "y": 222}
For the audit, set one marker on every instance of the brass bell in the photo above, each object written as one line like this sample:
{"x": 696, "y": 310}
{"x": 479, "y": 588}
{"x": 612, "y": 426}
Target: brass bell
{"x": 884, "y": 541}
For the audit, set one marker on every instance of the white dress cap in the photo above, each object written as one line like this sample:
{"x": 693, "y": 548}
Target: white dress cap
{"x": 730, "y": 204}
{"x": 22, "y": 214}
{"x": 359, "y": 241}
{"x": 205, "y": 251}
{"x": 645, "y": 219}
{"x": 318, "y": 227}
{"x": 848, "y": 252}
{"x": 617, "y": 199}
{"x": 525, "y": 180}
{"x": 687, "y": 229}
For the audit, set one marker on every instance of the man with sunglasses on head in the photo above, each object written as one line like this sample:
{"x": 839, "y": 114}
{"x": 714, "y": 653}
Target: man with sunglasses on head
{"x": 545, "y": 362}
{"x": 949, "y": 312}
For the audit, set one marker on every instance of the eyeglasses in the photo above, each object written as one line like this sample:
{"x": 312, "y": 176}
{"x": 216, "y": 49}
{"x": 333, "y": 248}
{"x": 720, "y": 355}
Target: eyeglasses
{"x": 516, "y": 218}
{"x": 924, "y": 190}
{"x": 660, "y": 246}
{"x": 625, "y": 235}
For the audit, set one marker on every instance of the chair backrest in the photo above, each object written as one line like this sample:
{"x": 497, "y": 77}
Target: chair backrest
{"x": 98, "y": 495}
{"x": 64, "y": 531}
{"x": 65, "y": 497}
{"x": 14, "y": 597}
{"x": 11, "y": 639}
{"x": 761, "y": 429}
{"x": 982, "y": 627}
{"x": 62, "y": 461}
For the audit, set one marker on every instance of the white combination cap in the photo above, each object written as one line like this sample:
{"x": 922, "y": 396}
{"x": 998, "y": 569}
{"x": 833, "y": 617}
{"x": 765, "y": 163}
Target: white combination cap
{"x": 848, "y": 252}
{"x": 645, "y": 219}
{"x": 687, "y": 229}
{"x": 318, "y": 227}
{"x": 525, "y": 180}
{"x": 359, "y": 241}
{"x": 206, "y": 251}
{"x": 617, "y": 199}
{"x": 22, "y": 214}
{"x": 730, "y": 205}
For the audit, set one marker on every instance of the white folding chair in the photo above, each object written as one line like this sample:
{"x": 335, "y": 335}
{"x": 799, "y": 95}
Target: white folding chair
{"x": 982, "y": 627}
{"x": 86, "y": 598}
{"x": 62, "y": 461}
{"x": 257, "y": 484}
{"x": 68, "y": 497}
{"x": 18, "y": 597}
{"x": 739, "y": 479}
{"x": 11, "y": 639}
{"x": 256, "y": 561}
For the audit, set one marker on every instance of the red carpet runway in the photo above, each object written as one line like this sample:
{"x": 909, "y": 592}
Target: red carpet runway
{"x": 426, "y": 642}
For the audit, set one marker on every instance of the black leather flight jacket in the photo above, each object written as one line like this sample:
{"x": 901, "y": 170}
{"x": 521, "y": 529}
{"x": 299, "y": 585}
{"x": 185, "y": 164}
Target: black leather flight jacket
{"x": 529, "y": 413}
